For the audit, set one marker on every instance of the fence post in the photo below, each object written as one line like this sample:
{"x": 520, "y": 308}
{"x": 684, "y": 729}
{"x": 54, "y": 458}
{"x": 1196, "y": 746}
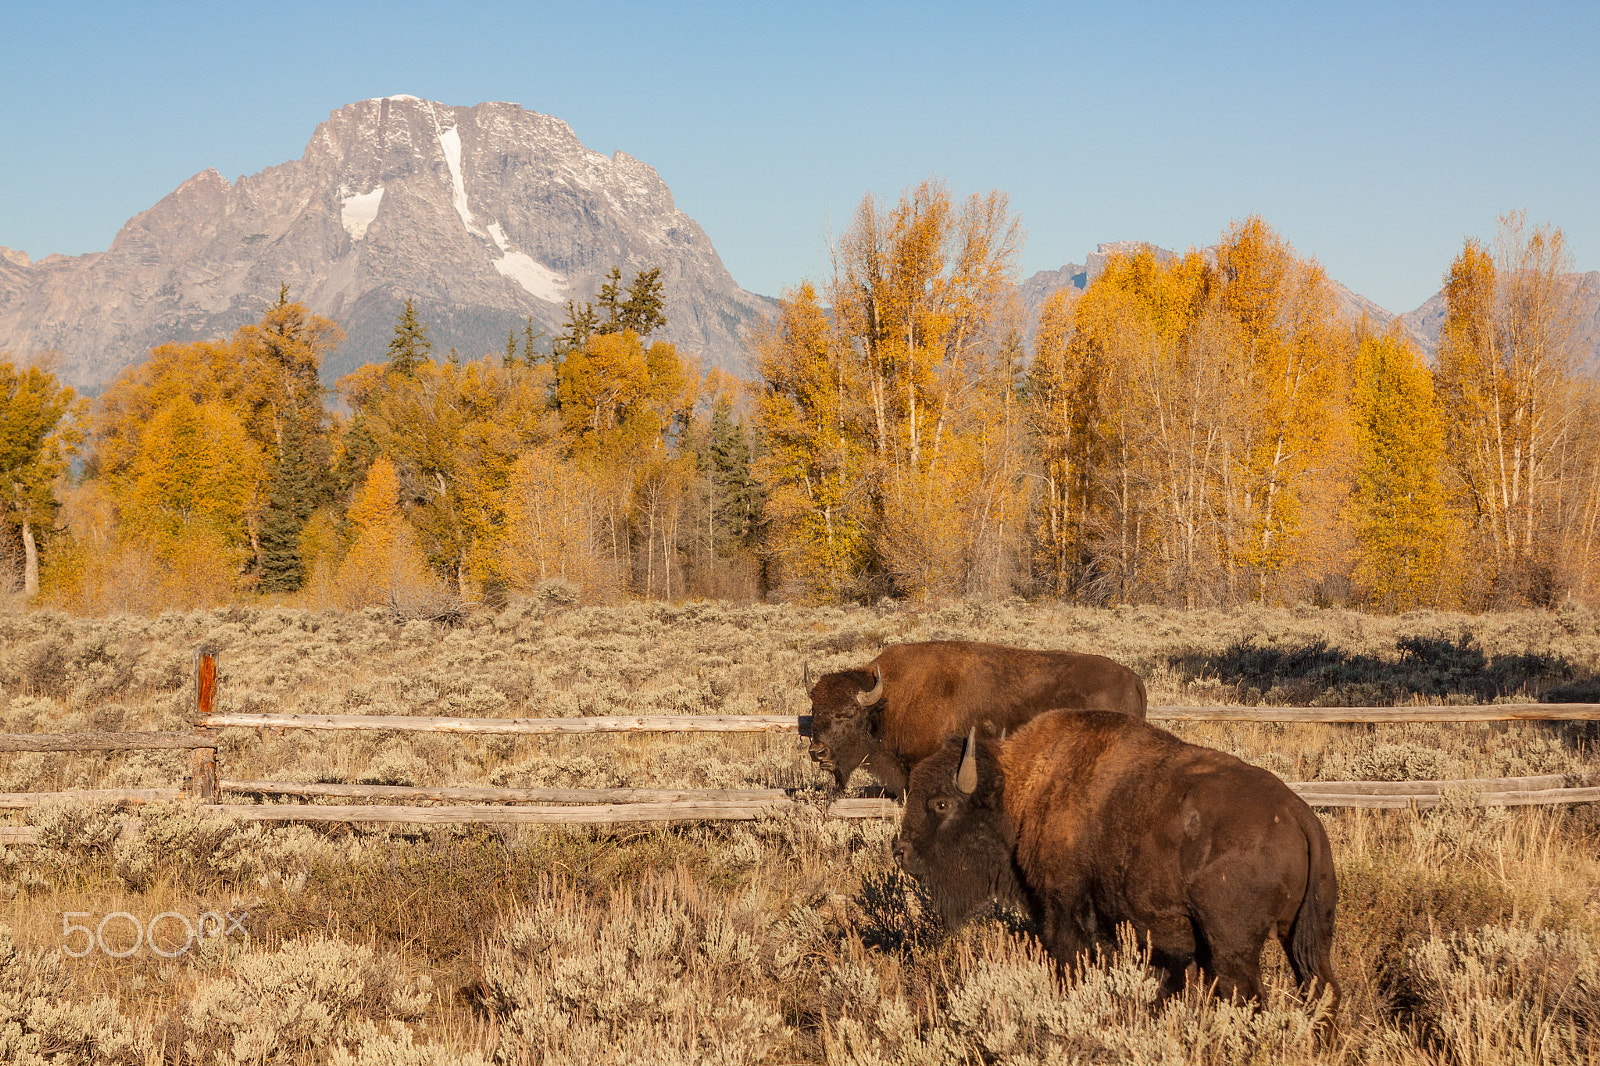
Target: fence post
{"x": 205, "y": 691}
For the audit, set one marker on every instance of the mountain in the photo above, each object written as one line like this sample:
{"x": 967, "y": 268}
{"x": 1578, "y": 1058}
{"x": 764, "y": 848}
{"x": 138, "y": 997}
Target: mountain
{"x": 482, "y": 215}
{"x": 1421, "y": 325}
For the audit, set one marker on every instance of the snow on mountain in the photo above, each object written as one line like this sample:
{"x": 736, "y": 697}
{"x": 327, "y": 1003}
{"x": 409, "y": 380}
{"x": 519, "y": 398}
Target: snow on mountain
{"x": 483, "y": 216}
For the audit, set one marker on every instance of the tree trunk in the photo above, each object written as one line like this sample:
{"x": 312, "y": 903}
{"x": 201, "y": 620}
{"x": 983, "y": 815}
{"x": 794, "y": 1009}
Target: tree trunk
{"x": 30, "y": 567}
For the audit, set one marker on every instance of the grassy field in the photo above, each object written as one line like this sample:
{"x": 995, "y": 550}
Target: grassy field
{"x": 1466, "y": 935}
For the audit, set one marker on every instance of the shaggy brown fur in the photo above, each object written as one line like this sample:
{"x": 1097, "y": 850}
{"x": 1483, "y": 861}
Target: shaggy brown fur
{"x": 1095, "y": 819}
{"x": 941, "y": 688}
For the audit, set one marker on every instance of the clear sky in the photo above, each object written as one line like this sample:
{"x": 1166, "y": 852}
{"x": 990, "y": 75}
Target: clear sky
{"x": 1374, "y": 136}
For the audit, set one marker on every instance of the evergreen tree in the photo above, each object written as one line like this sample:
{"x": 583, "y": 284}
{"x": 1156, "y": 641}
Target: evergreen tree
{"x": 582, "y": 323}
{"x": 528, "y": 337}
{"x": 410, "y": 345}
{"x": 641, "y": 312}
{"x": 736, "y": 496}
{"x": 611, "y": 303}
{"x": 296, "y": 491}
{"x": 511, "y": 348}
{"x": 290, "y": 342}
{"x": 357, "y": 451}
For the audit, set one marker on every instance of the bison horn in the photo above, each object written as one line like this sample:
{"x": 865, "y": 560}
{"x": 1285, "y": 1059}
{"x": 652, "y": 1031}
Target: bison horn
{"x": 805, "y": 680}
{"x": 874, "y": 694}
{"x": 967, "y": 772}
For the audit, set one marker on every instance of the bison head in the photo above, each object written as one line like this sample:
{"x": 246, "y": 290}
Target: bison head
{"x": 845, "y": 720}
{"x": 956, "y": 837}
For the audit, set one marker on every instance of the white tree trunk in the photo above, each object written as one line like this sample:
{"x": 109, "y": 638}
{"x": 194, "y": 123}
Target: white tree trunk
{"x": 30, "y": 568}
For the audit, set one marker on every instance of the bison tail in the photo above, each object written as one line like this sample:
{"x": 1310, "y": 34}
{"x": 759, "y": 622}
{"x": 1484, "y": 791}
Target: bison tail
{"x": 1310, "y": 945}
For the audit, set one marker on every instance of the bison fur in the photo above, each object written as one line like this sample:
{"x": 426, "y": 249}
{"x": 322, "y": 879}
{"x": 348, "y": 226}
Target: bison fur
{"x": 898, "y": 708}
{"x": 1091, "y": 820}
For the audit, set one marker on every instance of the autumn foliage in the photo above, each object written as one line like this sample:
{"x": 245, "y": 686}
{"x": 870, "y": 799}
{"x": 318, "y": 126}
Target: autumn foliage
{"x": 1194, "y": 430}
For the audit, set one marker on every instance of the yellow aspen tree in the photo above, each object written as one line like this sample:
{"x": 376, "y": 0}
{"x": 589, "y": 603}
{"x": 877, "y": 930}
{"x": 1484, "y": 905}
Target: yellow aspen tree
{"x": 39, "y": 433}
{"x": 1398, "y": 502}
{"x": 1295, "y": 371}
{"x": 1506, "y": 384}
{"x": 383, "y": 562}
{"x": 1062, "y": 399}
{"x": 920, "y": 298}
{"x": 453, "y": 433}
{"x": 621, "y": 406}
{"x": 266, "y": 373}
{"x": 813, "y": 460}
{"x": 554, "y": 528}
{"x": 1170, "y": 384}
{"x": 1149, "y": 394}
{"x": 187, "y": 495}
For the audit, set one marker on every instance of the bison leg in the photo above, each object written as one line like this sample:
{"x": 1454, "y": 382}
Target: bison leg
{"x": 1071, "y": 934}
{"x": 1172, "y": 950}
{"x": 1237, "y": 975}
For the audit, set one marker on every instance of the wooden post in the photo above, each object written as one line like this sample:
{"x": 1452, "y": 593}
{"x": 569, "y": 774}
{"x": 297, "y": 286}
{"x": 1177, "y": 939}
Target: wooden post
{"x": 205, "y": 691}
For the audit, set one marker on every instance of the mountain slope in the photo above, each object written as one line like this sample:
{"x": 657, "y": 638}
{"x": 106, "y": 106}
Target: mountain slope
{"x": 482, "y": 215}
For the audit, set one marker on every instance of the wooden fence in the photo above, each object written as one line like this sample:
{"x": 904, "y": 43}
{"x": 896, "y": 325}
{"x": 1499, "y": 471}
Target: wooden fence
{"x": 545, "y": 805}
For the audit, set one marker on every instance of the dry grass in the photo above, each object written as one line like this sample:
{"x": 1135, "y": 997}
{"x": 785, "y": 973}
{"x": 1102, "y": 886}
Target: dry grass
{"x": 1465, "y": 935}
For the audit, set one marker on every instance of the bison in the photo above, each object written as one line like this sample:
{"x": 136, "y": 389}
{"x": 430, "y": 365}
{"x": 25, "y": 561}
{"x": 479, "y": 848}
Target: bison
{"x": 1091, "y": 820}
{"x": 901, "y": 706}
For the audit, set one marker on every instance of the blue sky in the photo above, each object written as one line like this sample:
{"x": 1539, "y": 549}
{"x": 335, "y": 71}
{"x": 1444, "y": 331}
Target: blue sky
{"x": 1375, "y": 137}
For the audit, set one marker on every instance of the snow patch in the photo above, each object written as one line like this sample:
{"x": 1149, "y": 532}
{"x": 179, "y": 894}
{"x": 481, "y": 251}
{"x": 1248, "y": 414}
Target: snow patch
{"x": 498, "y": 232}
{"x": 538, "y": 279}
{"x": 450, "y": 141}
{"x": 357, "y": 210}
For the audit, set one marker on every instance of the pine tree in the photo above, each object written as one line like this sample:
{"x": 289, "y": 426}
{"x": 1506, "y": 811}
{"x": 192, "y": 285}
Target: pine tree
{"x": 581, "y": 324}
{"x": 410, "y": 345}
{"x": 736, "y": 496}
{"x": 294, "y": 495}
{"x": 291, "y": 342}
{"x": 511, "y": 349}
{"x": 642, "y": 310}
{"x": 528, "y": 337}
{"x": 611, "y": 302}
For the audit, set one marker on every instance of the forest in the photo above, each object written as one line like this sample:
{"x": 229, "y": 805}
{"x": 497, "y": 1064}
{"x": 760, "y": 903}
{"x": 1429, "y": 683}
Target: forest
{"x": 1199, "y": 430}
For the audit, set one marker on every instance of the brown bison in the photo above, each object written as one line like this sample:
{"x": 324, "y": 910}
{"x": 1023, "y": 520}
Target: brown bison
{"x": 900, "y": 707}
{"x": 1091, "y": 820}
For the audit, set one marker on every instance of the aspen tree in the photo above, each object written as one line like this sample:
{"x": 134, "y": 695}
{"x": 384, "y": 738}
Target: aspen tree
{"x": 1294, "y": 370}
{"x": 453, "y": 433}
{"x": 1506, "y": 384}
{"x": 891, "y": 483}
{"x": 812, "y": 464}
{"x": 40, "y": 430}
{"x": 1402, "y": 521}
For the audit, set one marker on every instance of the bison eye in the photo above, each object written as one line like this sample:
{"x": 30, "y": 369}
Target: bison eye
{"x": 939, "y": 805}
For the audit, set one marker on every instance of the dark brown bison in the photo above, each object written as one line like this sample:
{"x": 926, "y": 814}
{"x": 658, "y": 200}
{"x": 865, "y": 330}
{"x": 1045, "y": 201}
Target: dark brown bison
{"x": 900, "y": 707}
{"x": 1091, "y": 820}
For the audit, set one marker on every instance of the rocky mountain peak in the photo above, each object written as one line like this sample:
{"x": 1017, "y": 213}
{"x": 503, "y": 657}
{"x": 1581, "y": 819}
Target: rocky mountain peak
{"x": 482, "y": 215}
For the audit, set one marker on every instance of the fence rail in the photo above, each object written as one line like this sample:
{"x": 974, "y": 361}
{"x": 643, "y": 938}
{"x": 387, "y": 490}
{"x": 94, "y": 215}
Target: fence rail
{"x": 687, "y": 723}
{"x": 451, "y": 804}
{"x": 789, "y": 723}
{"x": 1492, "y": 712}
